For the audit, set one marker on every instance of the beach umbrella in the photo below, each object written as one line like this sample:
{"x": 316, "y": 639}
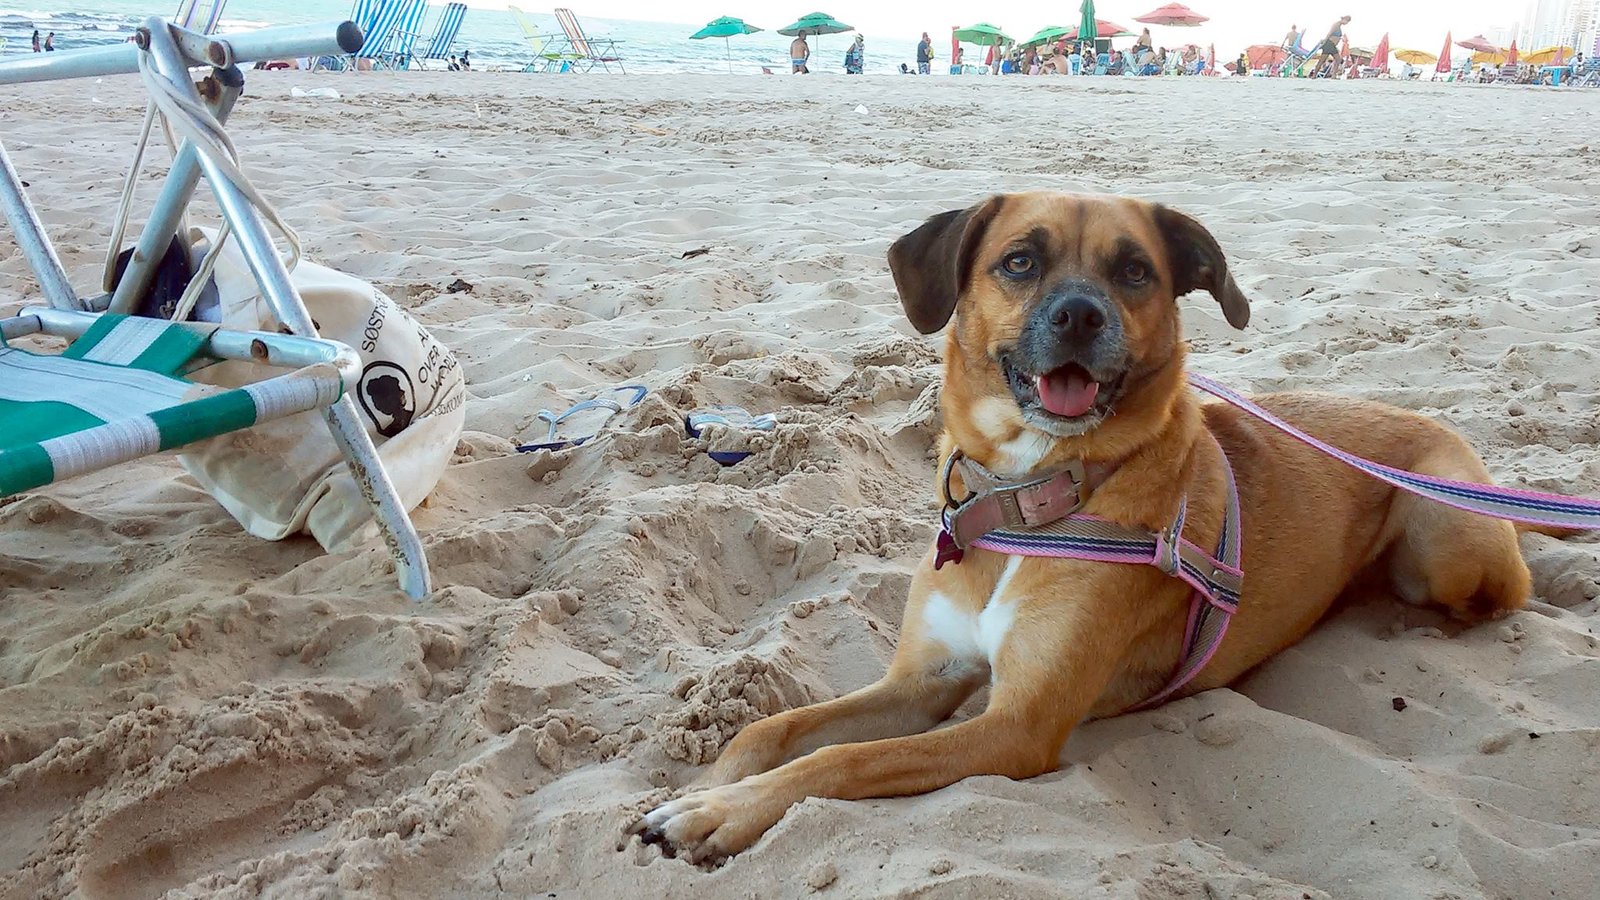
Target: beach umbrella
{"x": 1415, "y": 57}
{"x": 1103, "y": 29}
{"x": 1047, "y": 35}
{"x": 983, "y": 34}
{"x": 725, "y": 28}
{"x": 1380, "y": 56}
{"x": 1511, "y": 55}
{"x": 1443, "y": 67}
{"x": 1478, "y": 44}
{"x": 955, "y": 45}
{"x": 1489, "y": 58}
{"x": 1175, "y": 14}
{"x": 816, "y": 23}
{"x": 1088, "y": 25}
{"x": 1264, "y": 56}
{"x": 1344, "y": 47}
{"x": 1549, "y": 56}
{"x": 1211, "y": 59}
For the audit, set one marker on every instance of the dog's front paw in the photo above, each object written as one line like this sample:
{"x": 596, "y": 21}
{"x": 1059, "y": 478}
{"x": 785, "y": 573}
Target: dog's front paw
{"x": 711, "y": 825}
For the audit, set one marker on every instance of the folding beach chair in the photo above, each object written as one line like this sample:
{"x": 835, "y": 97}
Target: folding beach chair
{"x": 1589, "y": 75}
{"x": 199, "y": 15}
{"x": 123, "y": 388}
{"x": 547, "y": 53}
{"x": 1294, "y": 58}
{"x": 364, "y": 13}
{"x": 444, "y": 35}
{"x": 396, "y": 51}
{"x": 377, "y": 20}
{"x": 587, "y": 52}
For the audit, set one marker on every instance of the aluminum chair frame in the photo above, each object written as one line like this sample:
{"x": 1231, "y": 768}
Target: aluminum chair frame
{"x": 172, "y": 51}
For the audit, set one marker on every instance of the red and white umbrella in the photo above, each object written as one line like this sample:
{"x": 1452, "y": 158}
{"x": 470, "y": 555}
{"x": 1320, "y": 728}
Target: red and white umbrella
{"x": 1511, "y": 55}
{"x": 1444, "y": 58}
{"x": 1172, "y": 14}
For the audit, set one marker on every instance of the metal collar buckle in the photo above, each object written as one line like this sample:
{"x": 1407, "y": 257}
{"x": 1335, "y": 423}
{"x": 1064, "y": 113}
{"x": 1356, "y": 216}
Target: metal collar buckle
{"x": 1005, "y": 493}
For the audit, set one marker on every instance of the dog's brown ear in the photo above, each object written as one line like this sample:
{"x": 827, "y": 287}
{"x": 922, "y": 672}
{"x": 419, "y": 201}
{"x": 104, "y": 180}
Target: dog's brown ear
{"x": 930, "y": 265}
{"x": 1198, "y": 264}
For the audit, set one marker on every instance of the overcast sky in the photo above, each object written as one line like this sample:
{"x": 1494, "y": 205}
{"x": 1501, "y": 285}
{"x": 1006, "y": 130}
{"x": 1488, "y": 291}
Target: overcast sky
{"x": 1234, "y": 23}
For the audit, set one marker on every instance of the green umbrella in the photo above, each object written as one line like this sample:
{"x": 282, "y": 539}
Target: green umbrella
{"x": 983, "y": 34}
{"x": 1088, "y": 28}
{"x": 724, "y": 28}
{"x": 1047, "y": 35}
{"x": 816, "y": 23}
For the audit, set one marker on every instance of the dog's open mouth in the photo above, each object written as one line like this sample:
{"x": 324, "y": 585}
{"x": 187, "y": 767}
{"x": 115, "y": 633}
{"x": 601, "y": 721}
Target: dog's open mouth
{"x": 1068, "y": 392}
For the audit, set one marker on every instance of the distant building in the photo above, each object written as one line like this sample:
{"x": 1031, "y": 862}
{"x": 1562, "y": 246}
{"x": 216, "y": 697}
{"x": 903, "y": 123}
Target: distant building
{"x": 1549, "y": 23}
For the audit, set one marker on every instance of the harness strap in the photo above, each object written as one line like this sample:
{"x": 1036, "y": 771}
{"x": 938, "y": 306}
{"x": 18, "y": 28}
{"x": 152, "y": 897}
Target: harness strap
{"x": 1217, "y": 579}
{"x": 1531, "y": 507}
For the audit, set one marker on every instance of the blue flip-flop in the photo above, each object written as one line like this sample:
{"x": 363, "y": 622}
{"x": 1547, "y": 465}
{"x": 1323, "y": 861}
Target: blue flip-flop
{"x": 728, "y": 417}
{"x": 632, "y": 394}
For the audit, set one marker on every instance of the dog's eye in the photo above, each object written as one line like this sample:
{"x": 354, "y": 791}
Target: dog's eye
{"x": 1134, "y": 272}
{"x": 1019, "y": 265}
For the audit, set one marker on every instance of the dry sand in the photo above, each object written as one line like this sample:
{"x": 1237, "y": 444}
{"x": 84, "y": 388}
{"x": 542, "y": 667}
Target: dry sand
{"x": 185, "y": 711}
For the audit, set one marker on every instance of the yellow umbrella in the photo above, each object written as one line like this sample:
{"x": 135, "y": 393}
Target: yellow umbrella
{"x": 1548, "y": 55}
{"x": 1482, "y": 58}
{"x": 1415, "y": 57}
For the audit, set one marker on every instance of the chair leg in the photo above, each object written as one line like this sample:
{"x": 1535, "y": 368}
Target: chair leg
{"x": 361, "y": 457}
{"x": 30, "y": 236}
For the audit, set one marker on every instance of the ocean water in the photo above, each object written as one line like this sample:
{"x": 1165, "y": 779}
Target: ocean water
{"x": 491, "y": 35}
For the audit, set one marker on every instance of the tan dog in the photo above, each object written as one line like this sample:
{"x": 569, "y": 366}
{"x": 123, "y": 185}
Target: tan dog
{"x": 1066, "y": 346}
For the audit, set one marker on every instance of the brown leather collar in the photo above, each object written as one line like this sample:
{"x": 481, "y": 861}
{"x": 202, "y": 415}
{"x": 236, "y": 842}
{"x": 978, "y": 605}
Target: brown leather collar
{"x": 993, "y": 502}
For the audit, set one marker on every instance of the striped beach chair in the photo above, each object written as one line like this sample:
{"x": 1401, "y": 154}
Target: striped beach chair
{"x": 444, "y": 35}
{"x": 202, "y": 16}
{"x": 117, "y": 393}
{"x": 396, "y": 51}
{"x": 365, "y": 14}
{"x": 587, "y": 52}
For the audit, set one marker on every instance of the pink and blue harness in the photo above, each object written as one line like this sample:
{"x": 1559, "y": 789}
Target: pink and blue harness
{"x": 1039, "y": 517}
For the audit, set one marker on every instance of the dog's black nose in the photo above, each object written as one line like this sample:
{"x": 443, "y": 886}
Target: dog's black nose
{"x": 1075, "y": 316}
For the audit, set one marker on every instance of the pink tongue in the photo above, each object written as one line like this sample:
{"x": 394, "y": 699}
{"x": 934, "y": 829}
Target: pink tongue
{"x": 1067, "y": 391}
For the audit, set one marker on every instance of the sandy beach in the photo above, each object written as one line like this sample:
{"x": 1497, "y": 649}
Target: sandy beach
{"x": 186, "y": 711}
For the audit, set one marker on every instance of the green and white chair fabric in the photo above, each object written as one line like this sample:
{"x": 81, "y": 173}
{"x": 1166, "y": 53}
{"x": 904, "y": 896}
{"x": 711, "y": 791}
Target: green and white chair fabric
{"x": 117, "y": 393}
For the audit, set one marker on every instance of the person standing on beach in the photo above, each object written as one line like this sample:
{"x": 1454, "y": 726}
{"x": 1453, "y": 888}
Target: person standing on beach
{"x": 855, "y": 58}
{"x": 925, "y": 55}
{"x": 1329, "y": 49}
{"x": 799, "y": 54}
{"x": 36, "y": 45}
